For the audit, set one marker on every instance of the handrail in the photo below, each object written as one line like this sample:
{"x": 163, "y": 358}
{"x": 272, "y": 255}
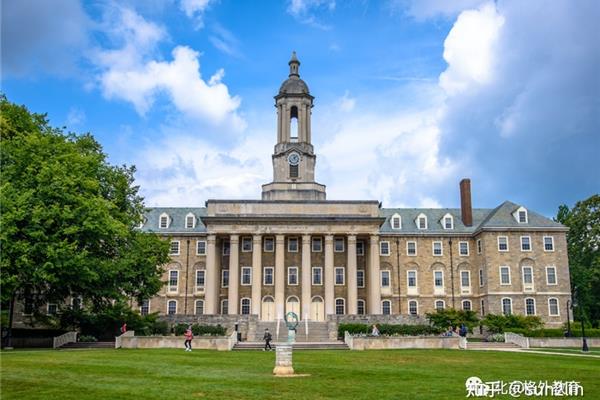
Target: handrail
{"x": 63, "y": 339}
{"x": 519, "y": 340}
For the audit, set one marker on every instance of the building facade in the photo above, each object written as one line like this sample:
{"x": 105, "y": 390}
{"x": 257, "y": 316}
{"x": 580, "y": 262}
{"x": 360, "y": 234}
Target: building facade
{"x": 293, "y": 250}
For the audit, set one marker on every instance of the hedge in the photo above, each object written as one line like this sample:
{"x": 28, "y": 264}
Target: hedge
{"x": 553, "y": 333}
{"x": 388, "y": 329}
{"x": 200, "y": 330}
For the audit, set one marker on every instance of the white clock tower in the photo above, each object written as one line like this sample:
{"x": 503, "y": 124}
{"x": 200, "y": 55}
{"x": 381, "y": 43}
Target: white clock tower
{"x": 293, "y": 159}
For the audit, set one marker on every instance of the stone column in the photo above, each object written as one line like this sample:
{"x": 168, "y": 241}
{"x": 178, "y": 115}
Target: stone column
{"x": 329, "y": 277}
{"x": 373, "y": 284}
{"x": 306, "y": 273}
{"x": 279, "y": 275}
{"x": 210, "y": 293}
{"x": 234, "y": 274}
{"x": 256, "y": 274}
{"x": 352, "y": 286}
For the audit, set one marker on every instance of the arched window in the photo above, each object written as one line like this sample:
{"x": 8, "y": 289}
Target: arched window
{"x": 396, "y": 221}
{"x": 439, "y": 305}
{"x": 245, "y": 306}
{"x": 421, "y": 221}
{"x": 466, "y": 305}
{"x": 199, "y": 307}
{"x": 164, "y": 221}
{"x": 413, "y": 307}
{"x": 386, "y": 307}
{"x": 172, "y": 307}
{"x": 340, "y": 307}
{"x": 447, "y": 221}
{"x": 360, "y": 307}
{"x": 530, "y": 306}
{"x": 294, "y": 124}
{"x": 145, "y": 307}
{"x": 190, "y": 221}
{"x": 506, "y": 306}
{"x": 553, "y": 309}
{"x": 224, "y": 307}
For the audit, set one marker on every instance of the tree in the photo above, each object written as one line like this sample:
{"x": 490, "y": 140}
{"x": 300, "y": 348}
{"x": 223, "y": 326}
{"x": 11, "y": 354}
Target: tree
{"x": 583, "y": 243}
{"x": 447, "y": 317}
{"x": 68, "y": 221}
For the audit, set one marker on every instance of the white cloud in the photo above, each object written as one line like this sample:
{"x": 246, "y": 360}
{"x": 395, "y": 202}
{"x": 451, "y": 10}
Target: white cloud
{"x": 75, "y": 116}
{"x": 305, "y": 11}
{"x": 195, "y": 9}
{"x": 424, "y": 9}
{"x": 346, "y": 103}
{"x": 225, "y": 41}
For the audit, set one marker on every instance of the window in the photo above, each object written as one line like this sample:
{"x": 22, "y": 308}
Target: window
{"x": 448, "y": 222}
{"x": 224, "y": 307}
{"x": 199, "y": 307}
{"x": 201, "y": 247}
{"x": 340, "y": 307}
{"x": 386, "y": 307}
{"x": 411, "y": 248}
{"x": 438, "y": 279}
{"x": 145, "y": 307}
{"x": 396, "y": 222}
{"x": 294, "y": 170}
{"x": 466, "y": 305}
{"x": 338, "y": 245}
{"x": 172, "y": 307}
{"x": 502, "y": 243}
{"x": 465, "y": 279}
{"x": 173, "y": 281}
{"x": 292, "y": 275}
{"x": 225, "y": 278}
{"x": 548, "y": 243}
{"x": 246, "y": 244}
{"x": 339, "y": 275}
{"x": 190, "y": 221}
{"x": 385, "y": 279}
{"x": 360, "y": 248}
{"x": 411, "y": 279}
{"x": 522, "y": 215}
{"x": 360, "y": 307}
{"x": 553, "y": 309}
{"x": 360, "y": 278}
{"x": 269, "y": 245}
{"x": 163, "y": 221}
{"x": 384, "y": 248}
{"x": 268, "y": 276}
{"x": 482, "y": 308}
{"x": 422, "y": 222}
{"x": 504, "y": 275}
{"x": 551, "y": 275}
{"x": 226, "y": 247}
{"x": 413, "y": 307}
{"x": 75, "y": 304}
{"x": 317, "y": 276}
{"x": 200, "y": 276}
{"x": 437, "y": 249}
{"x": 506, "y": 306}
{"x": 463, "y": 248}
{"x": 529, "y": 306}
{"x": 245, "y": 306}
{"x": 439, "y": 305}
{"x": 174, "y": 250}
{"x": 293, "y": 245}
{"x": 52, "y": 309}
{"x": 317, "y": 245}
{"x": 527, "y": 278}
{"x": 525, "y": 243}
{"x": 478, "y": 246}
{"x": 246, "y": 276}
{"x": 481, "y": 281}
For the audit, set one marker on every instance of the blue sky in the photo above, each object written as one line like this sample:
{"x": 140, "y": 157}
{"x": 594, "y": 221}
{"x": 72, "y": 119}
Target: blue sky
{"x": 410, "y": 96}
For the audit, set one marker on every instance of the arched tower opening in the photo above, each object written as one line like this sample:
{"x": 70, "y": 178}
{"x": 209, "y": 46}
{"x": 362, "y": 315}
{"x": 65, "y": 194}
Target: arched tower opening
{"x": 294, "y": 124}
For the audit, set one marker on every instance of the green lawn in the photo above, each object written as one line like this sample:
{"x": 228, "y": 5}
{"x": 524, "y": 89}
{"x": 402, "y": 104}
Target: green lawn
{"x": 175, "y": 374}
{"x": 572, "y": 350}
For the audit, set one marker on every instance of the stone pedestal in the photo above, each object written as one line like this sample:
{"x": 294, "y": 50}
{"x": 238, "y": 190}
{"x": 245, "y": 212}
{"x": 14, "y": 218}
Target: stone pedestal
{"x": 283, "y": 360}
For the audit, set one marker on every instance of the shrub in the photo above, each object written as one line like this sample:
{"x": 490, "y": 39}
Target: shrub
{"x": 497, "y": 323}
{"x": 442, "y": 319}
{"x": 179, "y": 329}
{"x": 208, "y": 330}
{"x": 87, "y": 338}
{"x": 353, "y": 329}
{"x": 496, "y": 337}
{"x": 388, "y": 329}
{"x": 553, "y": 333}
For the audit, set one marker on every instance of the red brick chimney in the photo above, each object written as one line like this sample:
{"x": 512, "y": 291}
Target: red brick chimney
{"x": 465, "y": 202}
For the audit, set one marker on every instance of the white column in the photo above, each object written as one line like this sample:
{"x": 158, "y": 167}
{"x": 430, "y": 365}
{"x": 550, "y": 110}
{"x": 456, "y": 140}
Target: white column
{"x": 329, "y": 277}
{"x": 234, "y": 274}
{"x": 210, "y": 293}
{"x": 373, "y": 284}
{"x": 256, "y": 274}
{"x": 306, "y": 281}
{"x": 352, "y": 287}
{"x": 279, "y": 275}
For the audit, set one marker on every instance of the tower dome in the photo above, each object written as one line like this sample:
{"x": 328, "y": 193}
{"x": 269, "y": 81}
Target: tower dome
{"x": 294, "y": 85}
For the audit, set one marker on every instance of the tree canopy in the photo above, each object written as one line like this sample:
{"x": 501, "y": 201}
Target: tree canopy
{"x": 69, "y": 219}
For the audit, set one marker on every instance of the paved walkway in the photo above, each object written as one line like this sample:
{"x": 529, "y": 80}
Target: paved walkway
{"x": 537, "y": 352}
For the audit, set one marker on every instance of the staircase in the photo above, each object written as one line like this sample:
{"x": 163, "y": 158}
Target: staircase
{"x": 491, "y": 346}
{"x": 317, "y": 332}
{"x": 337, "y": 345}
{"x": 88, "y": 345}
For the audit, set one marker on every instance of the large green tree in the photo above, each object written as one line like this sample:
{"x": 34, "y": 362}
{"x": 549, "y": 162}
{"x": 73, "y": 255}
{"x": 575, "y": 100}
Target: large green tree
{"x": 68, "y": 219}
{"x": 583, "y": 241}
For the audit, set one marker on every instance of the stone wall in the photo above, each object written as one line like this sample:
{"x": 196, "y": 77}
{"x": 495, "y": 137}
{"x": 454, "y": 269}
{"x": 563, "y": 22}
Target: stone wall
{"x": 220, "y": 343}
{"x": 401, "y": 342}
{"x": 246, "y": 323}
{"x": 562, "y": 342}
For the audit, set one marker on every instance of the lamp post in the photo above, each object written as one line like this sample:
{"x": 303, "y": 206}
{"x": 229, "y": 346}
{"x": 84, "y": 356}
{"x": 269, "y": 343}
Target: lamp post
{"x": 584, "y": 345}
{"x": 569, "y": 305}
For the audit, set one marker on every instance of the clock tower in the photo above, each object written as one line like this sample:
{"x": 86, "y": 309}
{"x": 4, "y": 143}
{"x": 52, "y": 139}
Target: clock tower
{"x": 294, "y": 158}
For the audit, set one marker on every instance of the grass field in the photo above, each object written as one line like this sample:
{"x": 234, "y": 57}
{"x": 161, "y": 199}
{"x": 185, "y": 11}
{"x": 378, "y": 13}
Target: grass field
{"x": 175, "y": 374}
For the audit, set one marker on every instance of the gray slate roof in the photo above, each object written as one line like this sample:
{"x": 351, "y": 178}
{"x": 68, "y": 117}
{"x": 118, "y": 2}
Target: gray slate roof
{"x": 177, "y": 219}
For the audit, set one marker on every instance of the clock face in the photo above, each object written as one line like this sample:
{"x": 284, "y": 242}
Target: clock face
{"x": 294, "y": 158}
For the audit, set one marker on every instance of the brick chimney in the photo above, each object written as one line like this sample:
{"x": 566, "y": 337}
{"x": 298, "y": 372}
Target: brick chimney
{"x": 465, "y": 202}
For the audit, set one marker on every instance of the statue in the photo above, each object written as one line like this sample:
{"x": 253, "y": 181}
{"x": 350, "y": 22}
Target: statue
{"x": 291, "y": 321}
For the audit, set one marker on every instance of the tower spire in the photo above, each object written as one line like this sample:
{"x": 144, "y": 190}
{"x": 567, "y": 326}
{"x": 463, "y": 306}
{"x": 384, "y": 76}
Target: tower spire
{"x": 294, "y": 66}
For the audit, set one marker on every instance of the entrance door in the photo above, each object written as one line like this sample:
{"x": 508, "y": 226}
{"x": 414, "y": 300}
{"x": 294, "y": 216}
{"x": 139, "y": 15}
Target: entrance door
{"x": 292, "y": 305}
{"x": 268, "y": 309}
{"x": 317, "y": 309}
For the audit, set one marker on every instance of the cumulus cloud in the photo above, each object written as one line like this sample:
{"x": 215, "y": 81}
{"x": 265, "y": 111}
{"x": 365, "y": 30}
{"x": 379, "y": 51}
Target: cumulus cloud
{"x": 195, "y": 9}
{"x": 424, "y": 9}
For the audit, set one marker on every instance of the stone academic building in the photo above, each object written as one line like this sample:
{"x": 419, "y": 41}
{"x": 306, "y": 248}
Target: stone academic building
{"x": 293, "y": 250}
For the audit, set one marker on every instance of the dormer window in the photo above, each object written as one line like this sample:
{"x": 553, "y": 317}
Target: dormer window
{"x": 190, "y": 221}
{"x": 396, "y": 222}
{"x": 422, "y": 221}
{"x": 521, "y": 215}
{"x": 448, "y": 222}
{"x": 164, "y": 221}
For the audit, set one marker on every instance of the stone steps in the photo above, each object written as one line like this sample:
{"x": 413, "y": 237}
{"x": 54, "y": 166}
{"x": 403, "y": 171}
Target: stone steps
{"x": 317, "y": 331}
{"x": 258, "y": 346}
{"x": 491, "y": 346}
{"x": 89, "y": 345}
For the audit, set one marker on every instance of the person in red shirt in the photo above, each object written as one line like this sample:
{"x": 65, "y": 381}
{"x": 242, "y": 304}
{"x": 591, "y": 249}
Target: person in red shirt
{"x": 188, "y": 338}
{"x": 124, "y": 328}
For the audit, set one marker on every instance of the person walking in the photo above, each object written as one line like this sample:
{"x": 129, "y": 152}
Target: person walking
{"x": 267, "y": 337}
{"x": 189, "y": 335}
